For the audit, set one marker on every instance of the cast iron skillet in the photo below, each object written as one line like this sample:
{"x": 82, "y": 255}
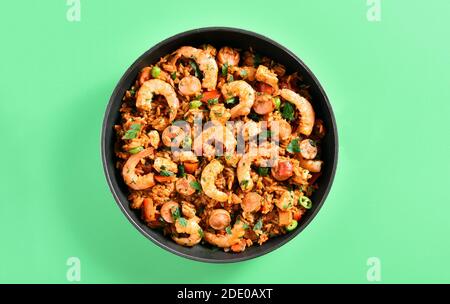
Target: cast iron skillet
{"x": 219, "y": 36}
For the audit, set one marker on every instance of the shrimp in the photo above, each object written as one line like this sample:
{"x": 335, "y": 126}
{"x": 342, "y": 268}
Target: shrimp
{"x": 244, "y": 165}
{"x": 263, "y": 74}
{"x": 172, "y": 136}
{"x": 190, "y": 227}
{"x": 219, "y": 113}
{"x": 286, "y": 201}
{"x": 154, "y": 138}
{"x": 209, "y": 176}
{"x": 184, "y": 156}
{"x": 227, "y": 240}
{"x": 245, "y": 72}
{"x": 229, "y": 56}
{"x": 219, "y": 219}
{"x": 164, "y": 164}
{"x": 246, "y": 96}
{"x": 159, "y": 87}
{"x": 283, "y": 130}
{"x": 217, "y": 132}
{"x": 308, "y": 149}
{"x": 307, "y": 114}
{"x": 264, "y": 104}
{"x": 167, "y": 210}
{"x": 189, "y": 86}
{"x": 134, "y": 181}
{"x": 206, "y": 63}
{"x": 188, "y": 209}
{"x": 314, "y": 166}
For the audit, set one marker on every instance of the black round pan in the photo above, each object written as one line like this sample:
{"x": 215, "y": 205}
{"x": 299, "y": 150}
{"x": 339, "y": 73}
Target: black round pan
{"x": 219, "y": 36}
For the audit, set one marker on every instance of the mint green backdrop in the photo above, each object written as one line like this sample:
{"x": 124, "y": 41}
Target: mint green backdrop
{"x": 388, "y": 82}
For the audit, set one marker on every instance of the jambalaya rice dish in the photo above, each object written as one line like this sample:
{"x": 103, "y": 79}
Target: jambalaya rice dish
{"x": 219, "y": 147}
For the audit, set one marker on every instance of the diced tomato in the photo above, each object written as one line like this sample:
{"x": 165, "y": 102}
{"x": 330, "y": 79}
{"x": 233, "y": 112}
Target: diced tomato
{"x": 210, "y": 95}
{"x": 297, "y": 214}
{"x": 264, "y": 88}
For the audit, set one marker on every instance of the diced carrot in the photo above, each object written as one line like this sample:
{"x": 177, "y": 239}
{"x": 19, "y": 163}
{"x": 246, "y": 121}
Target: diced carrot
{"x": 148, "y": 210}
{"x": 210, "y": 95}
{"x": 190, "y": 167}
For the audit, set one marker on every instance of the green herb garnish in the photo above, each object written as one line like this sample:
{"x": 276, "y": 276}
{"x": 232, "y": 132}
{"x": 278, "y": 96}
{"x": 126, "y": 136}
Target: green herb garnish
{"x": 287, "y": 111}
{"x": 136, "y": 150}
{"x": 263, "y": 171}
{"x": 258, "y": 225}
{"x": 195, "y": 185}
{"x": 182, "y": 221}
{"x": 225, "y": 69}
{"x": 213, "y": 101}
{"x": 132, "y": 132}
{"x": 166, "y": 173}
{"x": 228, "y": 230}
{"x": 196, "y": 69}
{"x": 293, "y": 146}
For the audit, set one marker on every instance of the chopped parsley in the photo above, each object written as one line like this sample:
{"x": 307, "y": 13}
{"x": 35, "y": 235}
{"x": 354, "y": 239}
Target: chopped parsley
{"x": 287, "y": 111}
{"x": 225, "y": 69}
{"x": 176, "y": 213}
{"x": 182, "y": 221}
{"x": 136, "y": 150}
{"x": 231, "y": 100}
{"x": 196, "y": 69}
{"x": 132, "y": 133}
{"x": 258, "y": 225}
{"x": 243, "y": 73}
{"x": 195, "y": 185}
{"x": 263, "y": 171}
{"x": 213, "y": 101}
{"x": 244, "y": 183}
{"x": 293, "y": 146}
{"x": 228, "y": 230}
{"x": 173, "y": 75}
{"x": 181, "y": 171}
{"x": 166, "y": 173}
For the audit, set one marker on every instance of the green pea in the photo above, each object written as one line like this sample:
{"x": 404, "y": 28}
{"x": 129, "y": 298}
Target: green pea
{"x": 292, "y": 225}
{"x": 305, "y": 202}
{"x": 195, "y": 104}
{"x": 156, "y": 71}
{"x": 277, "y": 102}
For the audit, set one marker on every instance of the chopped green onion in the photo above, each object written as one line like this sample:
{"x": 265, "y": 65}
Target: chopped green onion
{"x": 277, "y": 102}
{"x": 305, "y": 202}
{"x": 195, "y": 104}
{"x": 231, "y": 100}
{"x": 213, "y": 101}
{"x": 292, "y": 225}
{"x": 156, "y": 71}
{"x": 136, "y": 150}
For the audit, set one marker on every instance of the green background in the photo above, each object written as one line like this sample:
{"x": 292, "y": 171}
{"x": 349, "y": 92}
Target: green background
{"x": 388, "y": 83}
